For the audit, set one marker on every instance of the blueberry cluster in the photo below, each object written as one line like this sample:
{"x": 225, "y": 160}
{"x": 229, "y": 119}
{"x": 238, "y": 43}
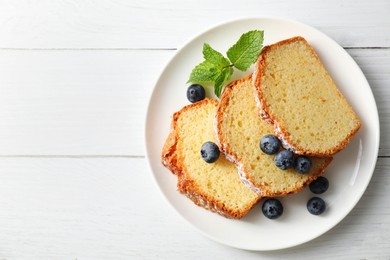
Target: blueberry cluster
{"x": 316, "y": 205}
{"x": 284, "y": 159}
{"x": 272, "y": 208}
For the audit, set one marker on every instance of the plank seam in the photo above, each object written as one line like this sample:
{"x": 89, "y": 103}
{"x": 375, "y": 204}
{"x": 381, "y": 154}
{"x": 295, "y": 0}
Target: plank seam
{"x": 86, "y": 49}
{"x": 94, "y": 156}
{"x": 150, "y": 49}
{"x": 78, "y": 156}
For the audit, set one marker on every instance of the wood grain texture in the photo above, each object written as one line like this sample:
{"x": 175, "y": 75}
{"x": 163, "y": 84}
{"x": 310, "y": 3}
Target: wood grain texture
{"x": 376, "y": 69}
{"x": 94, "y": 208}
{"x": 169, "y": 23}
{"x": 76, "y": 102}
{"x": 94, "y": 102}
{"x": 75, "y": 79}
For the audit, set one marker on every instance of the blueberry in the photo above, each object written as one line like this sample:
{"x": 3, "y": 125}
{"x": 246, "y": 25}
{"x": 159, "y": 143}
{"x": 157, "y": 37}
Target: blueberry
{"x": 209, "y": 152}
{"x": 195, "y": 93}
{"x": 269, "y": 144}
{"x": 316, "y": 205}
{"x": 319, "y": 185}
{"x": 272, "y": 208}
{"x": 284, "y": 159}
{"x": 302, "y": 164}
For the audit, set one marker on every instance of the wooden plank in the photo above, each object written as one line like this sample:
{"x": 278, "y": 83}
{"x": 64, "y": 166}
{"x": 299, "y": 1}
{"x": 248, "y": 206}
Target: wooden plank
{"x": 94, "y": 102}
{"x": 105, "y": 208}
{"x": 375, "y": 66}
{"x": 76, "y": 102}
{"x": 156, "y": 24}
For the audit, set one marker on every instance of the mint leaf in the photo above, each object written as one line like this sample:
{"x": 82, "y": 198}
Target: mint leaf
{"x": 209, "y": 69}
{"x": 224, "y": 76}
{"x": 214, "y": 57}
{"x": 218, "y": 69}
{"x": 204, "y": 72}
{"x": 246, "y": 50}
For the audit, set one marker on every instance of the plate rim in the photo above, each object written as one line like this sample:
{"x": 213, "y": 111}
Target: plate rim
{"x": 181, "y": 48}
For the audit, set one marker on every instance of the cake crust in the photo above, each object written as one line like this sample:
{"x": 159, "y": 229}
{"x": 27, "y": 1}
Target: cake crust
{"x": 172, "y": 158}
{"x": 266, "y": 114}
{"x": 261, "y": 187}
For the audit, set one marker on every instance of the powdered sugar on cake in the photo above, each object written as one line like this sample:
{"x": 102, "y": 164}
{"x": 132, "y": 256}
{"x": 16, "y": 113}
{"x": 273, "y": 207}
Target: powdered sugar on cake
{"x": 233, "y": 159}
{"x": 285, "y": 144}
{"x": 278, "y": 132}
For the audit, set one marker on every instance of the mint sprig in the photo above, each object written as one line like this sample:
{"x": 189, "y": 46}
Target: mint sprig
{"x": 218, "y": 69}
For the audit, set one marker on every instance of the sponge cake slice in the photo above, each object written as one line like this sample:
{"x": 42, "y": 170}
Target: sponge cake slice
{"x": 239, "y": 130}
{"x": 297, "y": 95}
{"x": 215, "y": 186}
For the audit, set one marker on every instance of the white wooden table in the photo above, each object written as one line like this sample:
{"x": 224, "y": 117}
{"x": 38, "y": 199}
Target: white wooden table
{"x": 75, "y": 78}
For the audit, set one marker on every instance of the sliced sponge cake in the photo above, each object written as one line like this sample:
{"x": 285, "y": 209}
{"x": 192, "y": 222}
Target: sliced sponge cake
{"x": 239, "y": 130}
{"x": 297, "y": 95}
{"x": 215, "y": 186}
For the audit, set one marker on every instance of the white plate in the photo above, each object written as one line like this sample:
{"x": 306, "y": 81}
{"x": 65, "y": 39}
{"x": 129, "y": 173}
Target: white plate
{"x": 349, "y": 173}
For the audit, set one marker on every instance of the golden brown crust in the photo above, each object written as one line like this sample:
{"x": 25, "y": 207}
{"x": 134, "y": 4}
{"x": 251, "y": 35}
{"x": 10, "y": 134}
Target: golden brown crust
{"x": 169, "y": 155}
{"x": 191, "y": 190}
{"x": 171, "y": 158}
{"x": 231, "y": 155}
{"x": 267, "y": 115}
